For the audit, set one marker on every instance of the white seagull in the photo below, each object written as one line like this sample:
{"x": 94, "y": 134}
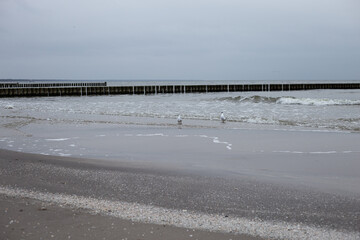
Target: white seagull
{"x": 222, "y": 117}
{"x": 179, "y": 120}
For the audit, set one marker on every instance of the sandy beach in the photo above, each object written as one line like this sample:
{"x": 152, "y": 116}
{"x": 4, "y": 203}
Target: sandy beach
{"x": 31, "y": 219}
{"x": 194, "y": 204}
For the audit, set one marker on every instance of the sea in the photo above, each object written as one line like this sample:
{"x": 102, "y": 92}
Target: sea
{"x": 323, "y": 110}
{"x": 69, "y": 126}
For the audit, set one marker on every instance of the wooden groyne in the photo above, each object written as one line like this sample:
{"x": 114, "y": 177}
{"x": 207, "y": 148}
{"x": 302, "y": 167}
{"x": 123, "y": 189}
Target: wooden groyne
{"x": 86, "y": 89}
{"x": 52, "y": 85}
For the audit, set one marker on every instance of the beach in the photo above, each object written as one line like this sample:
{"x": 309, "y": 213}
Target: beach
{"x": 280, "y": 167}
{"x": 265, "y": 194}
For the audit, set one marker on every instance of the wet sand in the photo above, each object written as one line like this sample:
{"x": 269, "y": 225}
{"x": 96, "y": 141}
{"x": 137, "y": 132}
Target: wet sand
{"x": 89, "y": 193}
{"x": 325, "y": 161}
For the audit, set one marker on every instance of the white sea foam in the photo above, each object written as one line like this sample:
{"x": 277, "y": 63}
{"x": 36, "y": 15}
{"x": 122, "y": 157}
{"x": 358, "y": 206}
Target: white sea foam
{"x": 259, "y": 120}
{"x": 9, "y": 106}
{"x": 183, "y": 218}
{"x": 314, "y": 152}
{"x": 348, "y": 151}
{"x": 64, "y": 154}
{"x": 181, "y": 136}
{"x": 216, "y": 140}
{"x": 316, "y": 101}
{"x": 56, "y": 139}
{"x": 152, "y": 135}
{"x": 58, "y": 150}
{"x": 328, "y": 152}
{"x": 286, "y": 151}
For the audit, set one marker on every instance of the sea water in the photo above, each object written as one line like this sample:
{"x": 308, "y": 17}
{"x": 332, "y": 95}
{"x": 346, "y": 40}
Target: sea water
{"x": 325, "y": 110}
{"x": 57, "y": 125}
{"x": 310, "y": 136}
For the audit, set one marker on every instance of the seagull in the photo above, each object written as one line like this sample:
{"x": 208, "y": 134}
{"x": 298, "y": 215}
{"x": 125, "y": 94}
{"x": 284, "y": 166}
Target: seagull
{"x": 222, "y": 117}
{"x": 179, "y": 120}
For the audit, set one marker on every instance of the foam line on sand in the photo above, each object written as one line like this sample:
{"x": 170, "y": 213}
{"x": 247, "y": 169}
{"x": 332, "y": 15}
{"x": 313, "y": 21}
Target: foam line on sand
{"x": 182, "y": 218}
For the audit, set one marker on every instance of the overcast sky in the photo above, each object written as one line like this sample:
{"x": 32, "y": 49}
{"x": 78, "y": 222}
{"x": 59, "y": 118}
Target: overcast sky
{"x": 180, "y": 39}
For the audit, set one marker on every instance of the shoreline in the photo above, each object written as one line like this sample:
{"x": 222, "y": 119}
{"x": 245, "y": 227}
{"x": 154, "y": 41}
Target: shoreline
{"x": 141, "y": 185}
{"x": 313, "y": 159}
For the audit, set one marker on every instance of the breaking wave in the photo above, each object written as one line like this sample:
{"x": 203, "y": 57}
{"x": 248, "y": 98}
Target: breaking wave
{"x": 291, "y": 100}
{"x": 316, "y": 102}
{"x": 251, "y": 99}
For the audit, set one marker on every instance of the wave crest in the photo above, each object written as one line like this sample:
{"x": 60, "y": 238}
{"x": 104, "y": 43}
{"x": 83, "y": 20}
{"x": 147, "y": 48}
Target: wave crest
{"x": 316, "y": 101}
{"x": 251, "y": 99}
{"x": 287, "y": 100}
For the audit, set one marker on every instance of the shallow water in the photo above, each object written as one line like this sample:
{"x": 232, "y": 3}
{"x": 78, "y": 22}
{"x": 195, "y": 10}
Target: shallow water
{"x": 40, "y": 124}
{"x": 319, "y": 109}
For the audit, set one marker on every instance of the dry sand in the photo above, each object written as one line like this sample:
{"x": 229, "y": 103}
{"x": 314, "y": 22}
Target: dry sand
{"x": 31, "y": 219}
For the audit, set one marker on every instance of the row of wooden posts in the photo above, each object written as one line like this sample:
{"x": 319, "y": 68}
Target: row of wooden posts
{"x": 103, "y": 89}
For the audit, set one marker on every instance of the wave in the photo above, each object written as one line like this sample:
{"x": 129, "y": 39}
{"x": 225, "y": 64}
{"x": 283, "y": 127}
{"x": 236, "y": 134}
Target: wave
{"x": 316, "y": 101}
{"x": 287, "y": 100}
{"x": 351, "y": 125}
{"x": 251, "y": 99}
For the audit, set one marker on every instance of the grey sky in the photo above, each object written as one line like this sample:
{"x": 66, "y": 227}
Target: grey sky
{"x": 187, "y": 39}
